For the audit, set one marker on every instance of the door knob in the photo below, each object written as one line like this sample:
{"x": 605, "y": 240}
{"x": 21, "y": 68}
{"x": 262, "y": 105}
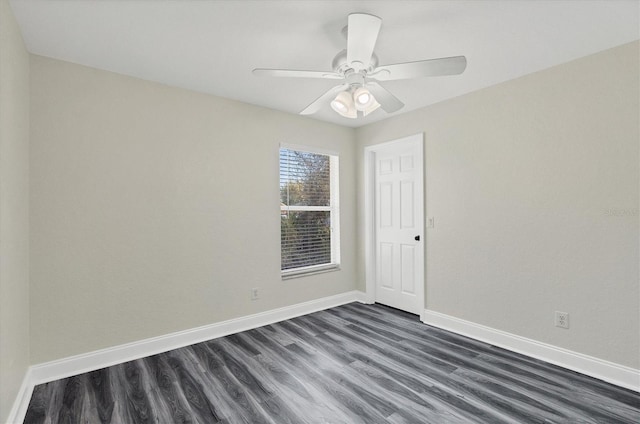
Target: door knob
{"x": 417, "y": 238}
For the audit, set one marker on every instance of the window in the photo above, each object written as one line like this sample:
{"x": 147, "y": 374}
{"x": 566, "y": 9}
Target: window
{"x": 309, "y": 218}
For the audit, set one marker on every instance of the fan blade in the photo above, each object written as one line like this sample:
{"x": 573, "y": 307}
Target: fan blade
{"x": 362, "y": 33}
{"x": 322, "y": 100}
{"x": 388, "y": 101}
{"x": 295, "y": 74}
{"x": 422, "y": 68}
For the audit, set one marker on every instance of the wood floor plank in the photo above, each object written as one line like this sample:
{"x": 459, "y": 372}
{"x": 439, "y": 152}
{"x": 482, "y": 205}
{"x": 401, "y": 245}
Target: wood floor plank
{"x": 412, "y": 406}
{"x": 72, "y": 399}
{"x": 101, "y": 391}
{"x": 308, "y": 368}
{"x": 242, "y": 402}
{"x": 238, "y": 366}
{"x": 191, "y": 389}
{"x": 353, "y": 364}
{"x": 302, "y": 396}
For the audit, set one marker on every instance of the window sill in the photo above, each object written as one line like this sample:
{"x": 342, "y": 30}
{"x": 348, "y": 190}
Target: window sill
{"x": 304, "y": 272}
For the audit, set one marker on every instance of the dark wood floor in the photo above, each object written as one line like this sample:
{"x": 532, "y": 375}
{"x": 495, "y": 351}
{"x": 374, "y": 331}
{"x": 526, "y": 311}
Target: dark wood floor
{"x": 351, "y": 364}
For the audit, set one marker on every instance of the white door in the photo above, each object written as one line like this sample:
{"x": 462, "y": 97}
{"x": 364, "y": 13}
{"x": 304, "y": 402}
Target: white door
{"x": 398, "y": 224}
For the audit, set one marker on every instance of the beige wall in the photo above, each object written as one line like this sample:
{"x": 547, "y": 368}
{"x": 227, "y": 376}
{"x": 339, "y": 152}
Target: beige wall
{"x": 520, "y": 178}
{"x": 14, "y": 209}
{"x": 156, "y": 209}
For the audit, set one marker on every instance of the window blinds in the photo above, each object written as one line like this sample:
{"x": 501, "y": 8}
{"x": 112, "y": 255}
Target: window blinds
{"x": 305, "y": 209}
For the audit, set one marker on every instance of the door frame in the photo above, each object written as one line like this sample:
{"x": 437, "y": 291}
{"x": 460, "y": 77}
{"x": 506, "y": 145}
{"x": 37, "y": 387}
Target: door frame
{"x": 369, "y": 219}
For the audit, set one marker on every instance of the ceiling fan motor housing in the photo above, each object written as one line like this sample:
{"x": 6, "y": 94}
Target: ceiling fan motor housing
{"x": 341, "y": 66}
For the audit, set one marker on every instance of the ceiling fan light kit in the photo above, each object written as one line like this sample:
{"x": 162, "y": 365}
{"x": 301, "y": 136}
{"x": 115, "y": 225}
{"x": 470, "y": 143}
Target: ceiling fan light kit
{"x": 358, "y": 67}
{"x": 349, "y": 102}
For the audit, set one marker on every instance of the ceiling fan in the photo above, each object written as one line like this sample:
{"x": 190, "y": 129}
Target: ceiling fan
{"x": 357, "y": 67}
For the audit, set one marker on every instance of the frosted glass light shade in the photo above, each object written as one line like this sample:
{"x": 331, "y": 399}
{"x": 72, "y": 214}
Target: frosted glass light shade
{"x": 343, "y": 104}
{"x": 364, "y": 101}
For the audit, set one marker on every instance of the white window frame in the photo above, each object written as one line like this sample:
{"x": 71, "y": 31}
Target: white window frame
{"x": 333, "y": 208}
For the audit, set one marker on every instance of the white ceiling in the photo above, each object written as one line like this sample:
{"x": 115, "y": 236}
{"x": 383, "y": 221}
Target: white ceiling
{"x": 212, "y": 46}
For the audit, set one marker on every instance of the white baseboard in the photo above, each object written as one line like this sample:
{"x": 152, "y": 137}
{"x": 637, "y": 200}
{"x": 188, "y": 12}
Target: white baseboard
{"x": 91, "y": 361}
{"x": 610, "y": 372}
{"x": 19, "y": 408}
{"x": 362, "y": 297}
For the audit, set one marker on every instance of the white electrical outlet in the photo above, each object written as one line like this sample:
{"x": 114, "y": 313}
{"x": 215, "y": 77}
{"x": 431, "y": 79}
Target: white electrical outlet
{"x": 255, "y": 294}
{"x": 562, "y": 319}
